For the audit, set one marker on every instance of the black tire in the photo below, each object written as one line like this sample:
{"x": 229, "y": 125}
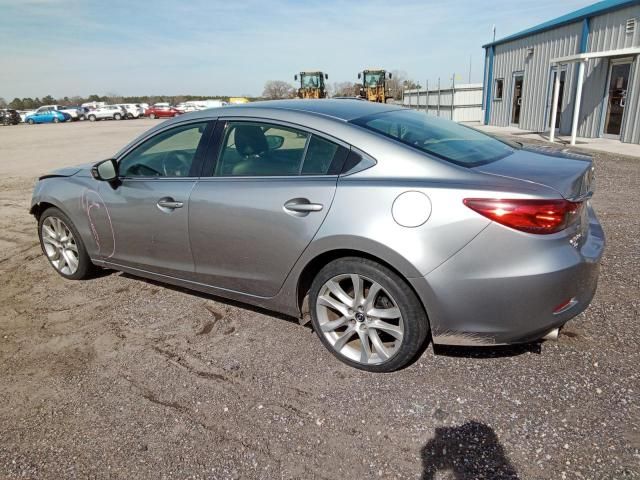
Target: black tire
{"x": 117, "y": 116}
{"x": 56, "y": 120}
{"x": 86, "y": 268}
{"x": 92, "y": 118}
{"x": 30, "y": 121}
{"x": 416, "y": 323}
{"x": 152, "y": 116}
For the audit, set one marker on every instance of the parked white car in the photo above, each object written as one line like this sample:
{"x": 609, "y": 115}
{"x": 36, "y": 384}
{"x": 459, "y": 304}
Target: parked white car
{"x": 113, "y": 112}
{"x": 72, "y": 111}
{"x": 93, "y": 105}
{"x": 134, "y": 110}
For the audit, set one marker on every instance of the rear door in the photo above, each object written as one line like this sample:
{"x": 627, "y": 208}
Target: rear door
{"x": 269, "y": 188}
{"x": 148, "y": 210}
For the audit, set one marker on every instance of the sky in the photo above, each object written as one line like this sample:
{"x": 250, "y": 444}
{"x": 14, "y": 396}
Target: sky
{"x": 232, "y": 47}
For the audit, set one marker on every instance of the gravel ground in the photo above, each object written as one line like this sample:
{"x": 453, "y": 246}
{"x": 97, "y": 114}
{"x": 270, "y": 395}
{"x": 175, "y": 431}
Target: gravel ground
{"x": 119, "y": 377}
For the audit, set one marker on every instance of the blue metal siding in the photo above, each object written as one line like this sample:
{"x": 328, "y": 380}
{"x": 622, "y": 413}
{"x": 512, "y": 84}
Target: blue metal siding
{"x": 576, "y": 16}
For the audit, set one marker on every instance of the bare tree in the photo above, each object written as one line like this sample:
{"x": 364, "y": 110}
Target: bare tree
{"x": 276, "y": 89}
{"x": 114, "y": 98}
{"x": 400, "y": 82}
{"x": 3, "y": 103}
{"x": 345, "y": 89}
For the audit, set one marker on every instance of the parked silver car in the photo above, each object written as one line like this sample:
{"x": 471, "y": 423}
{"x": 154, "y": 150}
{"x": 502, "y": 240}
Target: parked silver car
{"x": 384, "y": 224}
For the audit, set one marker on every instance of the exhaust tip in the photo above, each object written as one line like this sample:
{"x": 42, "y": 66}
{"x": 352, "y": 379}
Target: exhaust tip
{"x": 552, "y": 334}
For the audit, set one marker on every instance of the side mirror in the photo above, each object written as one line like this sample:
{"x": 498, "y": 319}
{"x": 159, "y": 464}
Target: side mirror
{"x": 326, "y": 76}
{"x": 274, "y": 141}
{"x": 106, "y": 170}
{"x": 390, "y": 76}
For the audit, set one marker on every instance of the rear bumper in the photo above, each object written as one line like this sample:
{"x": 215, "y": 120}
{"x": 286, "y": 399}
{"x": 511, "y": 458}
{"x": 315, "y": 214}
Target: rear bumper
{"x": 505, "y": 286}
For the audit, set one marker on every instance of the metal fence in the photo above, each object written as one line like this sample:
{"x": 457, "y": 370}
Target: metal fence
{"x": 460, "y": 103}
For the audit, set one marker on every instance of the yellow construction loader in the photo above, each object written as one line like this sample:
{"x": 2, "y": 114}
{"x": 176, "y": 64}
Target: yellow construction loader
{"x": 374, "y": 85}
{"x": 312, "y": 84}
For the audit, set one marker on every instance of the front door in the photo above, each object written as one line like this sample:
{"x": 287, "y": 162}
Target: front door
{"x": 270, "y": 191}
{"x": 148, "y": 210}
{"x": 552, "y": 80}
{"x": 617, "y": 97}
{"x": 516, "y": 99}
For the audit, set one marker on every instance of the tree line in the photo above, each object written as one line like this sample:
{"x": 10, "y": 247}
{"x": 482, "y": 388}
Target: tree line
{"x": 273, "y": 90}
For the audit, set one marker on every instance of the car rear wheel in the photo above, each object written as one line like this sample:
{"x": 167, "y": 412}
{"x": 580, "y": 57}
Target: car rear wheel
{"x": 92, "y": 118}
{"x": 117, "y": 116}
{"x": 56, "y": 120}
{"x": 62, "y": 245}
{"x": 367, "y": 316}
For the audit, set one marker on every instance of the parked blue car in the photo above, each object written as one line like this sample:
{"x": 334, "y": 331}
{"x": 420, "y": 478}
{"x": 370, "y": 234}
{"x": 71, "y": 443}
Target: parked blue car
{"x": 47, "y": 116}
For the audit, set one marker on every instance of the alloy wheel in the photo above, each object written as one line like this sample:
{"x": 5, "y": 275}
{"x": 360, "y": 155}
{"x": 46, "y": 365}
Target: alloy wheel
{"x": 60, "y": 245}
{"x": 359, "y": 319}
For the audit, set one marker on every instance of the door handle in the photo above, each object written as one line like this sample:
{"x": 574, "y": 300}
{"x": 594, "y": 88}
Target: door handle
{"x": 169, "y": 204}
{"x": 302, "y": 207}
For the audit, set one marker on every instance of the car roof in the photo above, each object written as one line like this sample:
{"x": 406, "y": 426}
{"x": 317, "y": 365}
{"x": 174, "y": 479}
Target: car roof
{"x": 340, "y": 109}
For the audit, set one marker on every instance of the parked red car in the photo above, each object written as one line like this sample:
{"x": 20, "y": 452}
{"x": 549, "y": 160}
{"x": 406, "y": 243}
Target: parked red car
{"x": 161, "y": 111}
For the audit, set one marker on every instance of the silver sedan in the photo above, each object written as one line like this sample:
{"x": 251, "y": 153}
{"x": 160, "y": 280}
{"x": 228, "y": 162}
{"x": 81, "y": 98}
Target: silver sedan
{"x": 385, "y": 226}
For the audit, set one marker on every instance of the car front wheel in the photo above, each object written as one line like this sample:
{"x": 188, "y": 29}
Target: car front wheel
{"x": 30, "y": 121}
{"x": 367, "y": 315}
{"x": 62, "y": 245}
{"x": 92, "y": 118}
{"x": 152, "y": 116}
{"x": 117, "y": 116}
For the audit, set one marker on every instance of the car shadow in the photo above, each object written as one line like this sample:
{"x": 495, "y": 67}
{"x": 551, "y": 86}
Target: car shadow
{"x": 208, "y": 296}
{"x": 494, "y": 351}
{"x": 469, "y": 451}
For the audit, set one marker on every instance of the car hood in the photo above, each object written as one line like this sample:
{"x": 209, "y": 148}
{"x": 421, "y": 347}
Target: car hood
{"x": 68, "y": 171}
{"x": 569, "y": 174}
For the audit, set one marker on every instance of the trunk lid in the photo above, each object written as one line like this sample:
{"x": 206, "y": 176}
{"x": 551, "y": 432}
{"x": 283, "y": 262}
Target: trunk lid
{"x": 570, "y": 174}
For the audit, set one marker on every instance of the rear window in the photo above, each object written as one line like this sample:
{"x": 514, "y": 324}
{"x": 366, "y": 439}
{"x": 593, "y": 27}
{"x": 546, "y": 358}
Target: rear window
{"x": 436, "y": 136}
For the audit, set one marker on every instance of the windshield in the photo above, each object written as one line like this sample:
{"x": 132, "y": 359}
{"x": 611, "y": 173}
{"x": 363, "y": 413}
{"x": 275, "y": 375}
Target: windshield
{"x": 371, "y": 79}
{"x": 436, "y": 136}
{"x": 311, "y": 81}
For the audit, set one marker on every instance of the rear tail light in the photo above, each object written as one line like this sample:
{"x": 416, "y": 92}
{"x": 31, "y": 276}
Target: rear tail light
{"x": 532, "y": 216}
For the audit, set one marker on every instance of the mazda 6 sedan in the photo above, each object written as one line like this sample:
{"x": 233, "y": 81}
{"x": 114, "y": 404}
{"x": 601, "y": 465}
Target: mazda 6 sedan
{"x": 385, "y": 226}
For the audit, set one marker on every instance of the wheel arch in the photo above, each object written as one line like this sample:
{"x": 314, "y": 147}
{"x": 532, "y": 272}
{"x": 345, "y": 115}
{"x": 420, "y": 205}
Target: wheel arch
{"x": 317, "y": 262}
{"x": 38, "y": 208}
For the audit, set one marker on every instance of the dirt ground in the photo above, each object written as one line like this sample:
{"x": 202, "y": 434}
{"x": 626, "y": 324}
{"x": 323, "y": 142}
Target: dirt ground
{"x": 119, "y": 377}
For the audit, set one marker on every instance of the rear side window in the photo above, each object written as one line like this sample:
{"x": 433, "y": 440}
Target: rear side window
{"x": 436, "y": 136}
{"x": 323, "y": 157}
{"x": 261, "y": 149}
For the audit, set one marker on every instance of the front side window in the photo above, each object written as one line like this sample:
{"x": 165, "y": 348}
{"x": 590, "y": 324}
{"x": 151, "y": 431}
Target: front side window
{"x": 499, "y": 89}
{"x": 261, "y": 149}
{"x": 311, "y": 81}
{"x": 436, "y": 136}
{"x": 373, "y": 79}
{"x": 168, "y": 154}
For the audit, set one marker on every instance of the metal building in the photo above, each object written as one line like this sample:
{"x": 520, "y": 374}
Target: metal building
{"x": 579, "y": 72}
